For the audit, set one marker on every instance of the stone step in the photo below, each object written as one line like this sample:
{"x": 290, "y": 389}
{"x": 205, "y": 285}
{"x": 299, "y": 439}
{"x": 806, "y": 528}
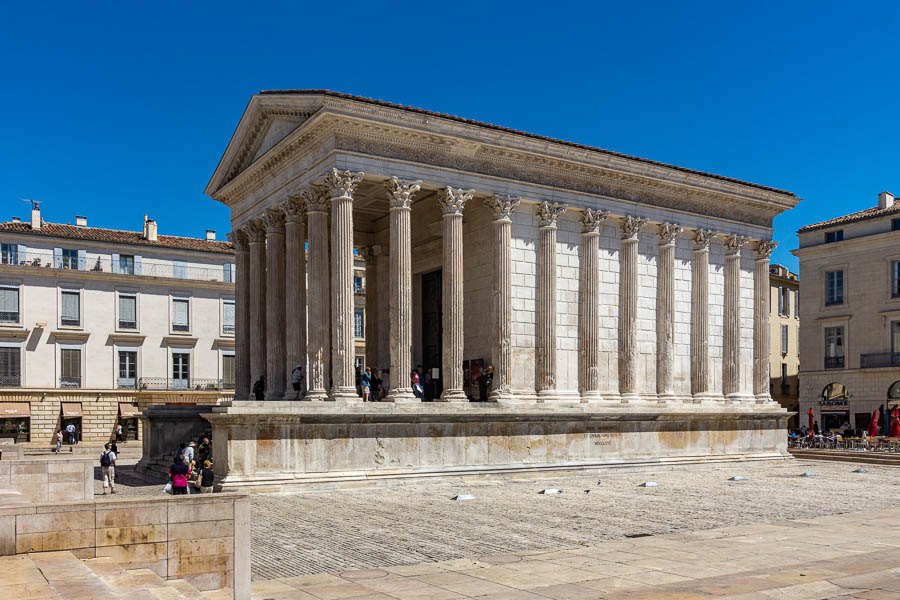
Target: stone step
{"x": 184, "y": 587}
{"x": 226, "y": 594}
{"x": 872, "y": 458}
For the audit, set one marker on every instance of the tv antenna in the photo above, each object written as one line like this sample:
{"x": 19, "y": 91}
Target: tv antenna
{"x": 34, "y": 203}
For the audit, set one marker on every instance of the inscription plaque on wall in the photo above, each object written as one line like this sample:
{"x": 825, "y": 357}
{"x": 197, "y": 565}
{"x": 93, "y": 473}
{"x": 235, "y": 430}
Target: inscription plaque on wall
{"x": 601, "y": 436}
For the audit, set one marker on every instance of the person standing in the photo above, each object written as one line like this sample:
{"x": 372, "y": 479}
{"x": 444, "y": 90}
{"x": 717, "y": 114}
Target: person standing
{"x": 207, "y": 477}
{"x": 108, "y": 468}
{"x": 178, "y": 473}
{"x": 259, "y": 388}
{"x": 365, "y": 383}
{"x": 58, "y": 441}
{"x": 189, "y": 456}
{"x": 895, "y": 423}
{"x": 70, "y": 429}
{"x": 297, "y": 380}
{"x": 484, "y": 383}
{"x": 119, "y": 437}
{"x": 416, "y": 384}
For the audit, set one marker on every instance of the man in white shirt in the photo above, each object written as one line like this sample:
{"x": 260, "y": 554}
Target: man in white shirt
{"x": 108, "y": 469}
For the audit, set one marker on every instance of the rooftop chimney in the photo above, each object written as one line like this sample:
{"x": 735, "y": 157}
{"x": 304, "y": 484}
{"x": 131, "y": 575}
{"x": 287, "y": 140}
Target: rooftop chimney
{"x": 210, "y": 235}
{"x": 149, "y": 229}
{"x": 80, "y": 221}
{"x": 35, "y": 216}
{"x": 885, "y": 200}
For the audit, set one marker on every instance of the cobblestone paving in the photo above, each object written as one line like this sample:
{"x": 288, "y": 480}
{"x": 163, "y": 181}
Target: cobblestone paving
{"x": 329, "y": 531}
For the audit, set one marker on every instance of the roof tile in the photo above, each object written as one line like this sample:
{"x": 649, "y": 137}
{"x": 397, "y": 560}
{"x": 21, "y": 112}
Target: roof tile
{"x": 862, "y": 215}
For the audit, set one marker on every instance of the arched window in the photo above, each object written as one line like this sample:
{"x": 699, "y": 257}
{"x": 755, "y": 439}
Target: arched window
{"x": 894, "y": 391}
{"x": 835, "y": 392}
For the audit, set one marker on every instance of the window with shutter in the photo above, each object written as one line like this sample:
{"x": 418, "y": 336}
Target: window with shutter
{"x": 127, "y": 311}
{"x": 10, "y": 366}
{"x": 784, "y": 339}
{"x": 228, "y": 317}
{"x": 70, "y": 313}
{"x": 9, "y": 254}
{"x": 179, "y": 269}
{"x": 126, "y": 264}
{"x": 780, "y": 300}
{"x": 180, "y": 311}
{"x": 9, "y": 305}
{"x": 228, "y": 371}
{"x": 834, "y": 287}
{"x": 70, "y": 359}
{"x": 127, "y": 369}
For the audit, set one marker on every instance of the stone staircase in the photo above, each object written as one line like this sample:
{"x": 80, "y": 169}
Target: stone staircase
{"x": 62, "y": 575}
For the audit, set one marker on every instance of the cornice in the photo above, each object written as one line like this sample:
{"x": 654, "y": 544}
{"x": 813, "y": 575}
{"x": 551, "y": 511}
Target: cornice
{"x": 604, "y": 175}
{"x": 118, "y": 278}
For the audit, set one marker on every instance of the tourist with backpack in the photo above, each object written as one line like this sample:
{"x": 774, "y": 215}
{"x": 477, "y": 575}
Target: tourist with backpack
{"x": 108, "y": 469}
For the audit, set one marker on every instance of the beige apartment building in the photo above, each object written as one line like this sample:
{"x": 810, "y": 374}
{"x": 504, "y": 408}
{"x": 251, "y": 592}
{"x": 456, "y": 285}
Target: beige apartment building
{"x": 850, "y": 326}
{"x": 784, "y": 336}
{"x": 96, "y": 324}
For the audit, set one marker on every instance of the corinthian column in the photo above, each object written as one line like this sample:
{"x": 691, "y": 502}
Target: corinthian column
{"x": 628, "y": 296}
{"x": 761, "y": 347}
{"x": 275, "y": 351}
{"x": 665, "y": 312}
{"x": 452, "y": 202}
{"x": 700, "y": 315}
{"x": 342, "y": 184}
{"x": 400, "y": 194}
{"x": 547, "y": 215}
{"x": 294, "y": 288}
{"x": 731, "y": 371}
{"x": 257, "y": 233}
{"x": 241, "y": 314}
{"x": 501, "y": 296}
{"x": 589, "y": 317}
{"x": 318, "y": 297}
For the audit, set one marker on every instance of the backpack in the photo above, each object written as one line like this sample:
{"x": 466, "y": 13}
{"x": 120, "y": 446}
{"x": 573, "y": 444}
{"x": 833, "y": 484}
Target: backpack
{"x": 105, "y": 460}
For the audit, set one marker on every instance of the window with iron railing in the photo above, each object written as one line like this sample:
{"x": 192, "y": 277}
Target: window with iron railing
{"x": 9, "y": 304}
{"x": 127, "y": 369}
{"x": 10, "y": 366}
{"x": 127, "y": 311}
{"x": 834, "y": 347}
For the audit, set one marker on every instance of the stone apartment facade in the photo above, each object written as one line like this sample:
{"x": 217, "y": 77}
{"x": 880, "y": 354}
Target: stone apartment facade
{"x": 96, "y": 324}
{"x": 784, "y": 320}
{"x": 850, "y": 308}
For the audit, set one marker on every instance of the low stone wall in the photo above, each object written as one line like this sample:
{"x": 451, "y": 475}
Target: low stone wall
{"x": 203, "y": 539}
{"x": 50, "y": 479}
{"x": 274, "y": 446}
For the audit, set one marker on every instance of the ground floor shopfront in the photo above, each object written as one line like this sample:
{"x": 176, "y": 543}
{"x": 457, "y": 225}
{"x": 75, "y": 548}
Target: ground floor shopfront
{"x": 846, "y": 398}
{"x": 33, "y": 417}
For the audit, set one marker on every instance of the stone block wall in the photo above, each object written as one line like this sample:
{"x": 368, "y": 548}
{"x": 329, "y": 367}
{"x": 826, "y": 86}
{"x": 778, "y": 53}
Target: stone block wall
{"x": 203, "y": 539}
{"x": 50, "y": 479}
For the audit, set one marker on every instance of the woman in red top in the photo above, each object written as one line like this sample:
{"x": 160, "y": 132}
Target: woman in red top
{"x": 895, "y": 423}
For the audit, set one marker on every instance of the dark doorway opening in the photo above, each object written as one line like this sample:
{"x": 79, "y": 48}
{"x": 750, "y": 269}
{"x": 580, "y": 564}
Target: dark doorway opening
{"x": 432, "y": 339}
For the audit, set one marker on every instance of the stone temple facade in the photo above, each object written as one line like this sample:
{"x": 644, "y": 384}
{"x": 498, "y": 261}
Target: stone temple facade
{"x": 623, "y": 303}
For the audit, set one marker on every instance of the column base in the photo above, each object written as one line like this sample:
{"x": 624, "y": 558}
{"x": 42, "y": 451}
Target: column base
{"x": 630, "y": 397}
{"x": 319, "y": 395}
{"x": 665, "y": 397}
{"x": 401, "y": 396}
{"x": 591, "y": 396}
{"x": 707, "y": 397}
{"x": 764, "y": 399}
{"x": 453, "y": 396}
{"x": 501, "y": 396}
{"x": 345, "y": 394}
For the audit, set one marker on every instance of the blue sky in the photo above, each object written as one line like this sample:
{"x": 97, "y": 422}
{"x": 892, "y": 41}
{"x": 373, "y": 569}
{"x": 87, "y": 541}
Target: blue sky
{"x": 116, "y": 110}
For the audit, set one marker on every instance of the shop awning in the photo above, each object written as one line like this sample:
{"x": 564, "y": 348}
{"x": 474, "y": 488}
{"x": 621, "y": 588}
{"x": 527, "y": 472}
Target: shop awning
{"x": 128, "y": 411}
{"x": 14, "y": 410}
{"x": 70, "y": 410}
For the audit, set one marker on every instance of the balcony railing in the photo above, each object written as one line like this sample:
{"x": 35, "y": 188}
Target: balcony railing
{"x": 105, "y": 264}
{"x": 10, "y": 381}
{"x": 879, "y": 359}
{"x": 834, "y": 362}
{"x": 173, "y": 384}
{"x": 66, "y": 381}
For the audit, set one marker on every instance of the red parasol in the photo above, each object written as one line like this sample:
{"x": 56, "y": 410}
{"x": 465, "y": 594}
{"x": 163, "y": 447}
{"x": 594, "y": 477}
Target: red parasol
{"x": 812, "y": 421}
{"x": 873, "y": 424}
{"x": 895, "y": 422}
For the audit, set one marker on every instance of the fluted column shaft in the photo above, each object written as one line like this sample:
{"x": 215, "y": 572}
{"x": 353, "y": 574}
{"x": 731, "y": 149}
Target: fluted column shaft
{"x": 257, "y": 295}
{"x": 452, "y": 202}
{"x": 341, "y": 185}
{"x": 545, "y": 327}
{"x": 589, "y": 315}
{"x": 665, "y": 312}
{"x": 400, "y": 194}
{"x": 295, "y": 290}
{"x": 761, "y": 330}
{"x": 317, "y": 356}
{"x": 501, "y": 296}
{"x": 275, "y": 303}
{"x": 700, "y": 315}
{"x": 242, "y": 381}
{"x": 628, "y": 304}
{"x": 731, "y": 374}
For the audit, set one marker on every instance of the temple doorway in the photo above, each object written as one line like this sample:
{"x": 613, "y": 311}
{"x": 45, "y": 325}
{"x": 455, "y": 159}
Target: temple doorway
{"x": 431, "y": 334}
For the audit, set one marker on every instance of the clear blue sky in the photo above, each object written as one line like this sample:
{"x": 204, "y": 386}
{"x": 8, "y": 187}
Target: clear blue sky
{"x": 115, "y": 111}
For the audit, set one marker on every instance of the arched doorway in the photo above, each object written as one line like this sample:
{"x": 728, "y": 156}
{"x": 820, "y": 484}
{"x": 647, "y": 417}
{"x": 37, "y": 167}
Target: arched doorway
{"x": 835, "y": 408}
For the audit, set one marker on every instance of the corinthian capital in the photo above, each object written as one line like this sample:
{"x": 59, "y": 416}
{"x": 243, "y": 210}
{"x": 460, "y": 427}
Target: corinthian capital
{"x": 702, "y": 238}
{"x": 293, "y": 208}
{"x": 238, "y": 239}
{"x": 400, "y": 192}
{"x": 631, "y": 227}
{"x": 764, "y": 249}
{"x": 592, "y": 219}
{"x": 548, "y": 214}
{"x": 502, "y": 207}
{"x": 342, "y": 184}
{"x": 316, "y": 198}
{"x": 256, "y": 230}
{"x": 734, "y": 243}
{"x": 667, "y": 233}
{"x": 274, "y": 218}
{"x": 452, "y": 201}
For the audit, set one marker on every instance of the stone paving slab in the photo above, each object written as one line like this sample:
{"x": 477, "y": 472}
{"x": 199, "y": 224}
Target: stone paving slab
{"x": 777, "y": 561}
